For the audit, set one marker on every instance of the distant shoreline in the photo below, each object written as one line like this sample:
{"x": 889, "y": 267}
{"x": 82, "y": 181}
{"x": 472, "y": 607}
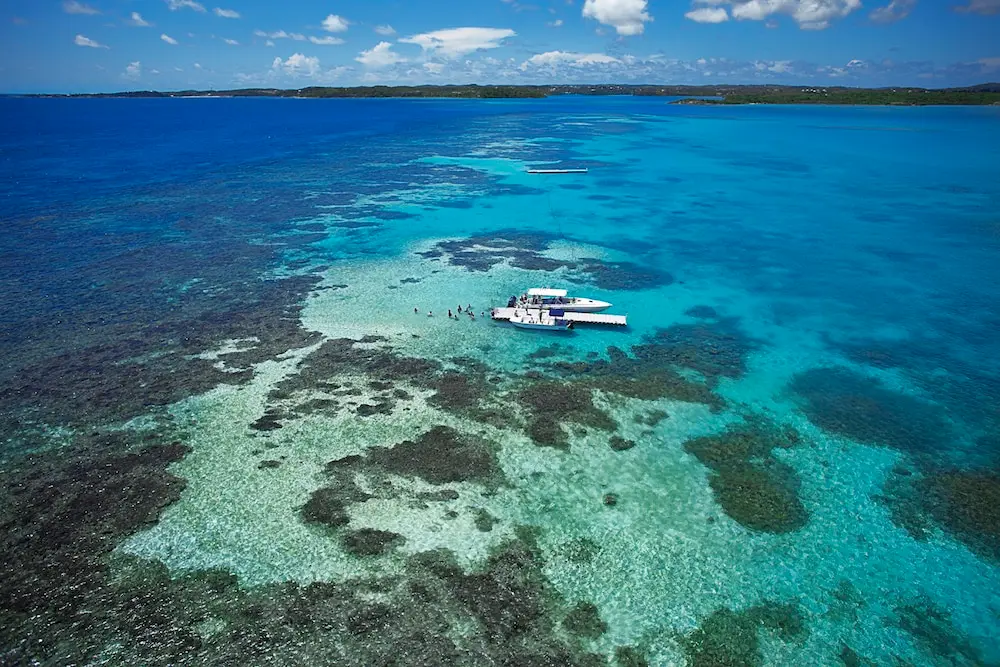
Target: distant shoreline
{"x": 982, "y": 94}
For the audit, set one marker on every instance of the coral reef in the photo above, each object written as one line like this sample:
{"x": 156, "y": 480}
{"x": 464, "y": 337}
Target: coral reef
{"x": 730, "y": 639}
{"x": 842, "y": 402}
{"x": 931, "y": 627}
{"x": 752, "y": 486}
{"x": 584, "y": 620}
{"x": 525, "y": 250}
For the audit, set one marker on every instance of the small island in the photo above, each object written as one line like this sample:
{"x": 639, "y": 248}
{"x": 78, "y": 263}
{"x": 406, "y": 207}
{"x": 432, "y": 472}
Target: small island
{"x": 982, "y": 94}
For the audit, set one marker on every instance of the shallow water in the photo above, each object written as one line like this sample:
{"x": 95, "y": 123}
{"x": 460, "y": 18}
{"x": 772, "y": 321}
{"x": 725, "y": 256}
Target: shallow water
{"x": 820, "y": 283}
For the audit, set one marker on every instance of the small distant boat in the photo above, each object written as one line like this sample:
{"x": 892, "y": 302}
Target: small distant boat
{"x": 546, "y": 320}
{"x": 557, "y": 171}
{"x": 539, "y": 297}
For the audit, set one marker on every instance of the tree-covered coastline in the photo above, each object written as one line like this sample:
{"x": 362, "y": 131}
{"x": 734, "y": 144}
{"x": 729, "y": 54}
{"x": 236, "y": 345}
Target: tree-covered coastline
{"x": 983, "y": 94}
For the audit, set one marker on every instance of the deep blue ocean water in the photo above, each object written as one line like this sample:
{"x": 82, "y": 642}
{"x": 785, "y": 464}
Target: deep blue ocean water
{"x": 167, "y": 264}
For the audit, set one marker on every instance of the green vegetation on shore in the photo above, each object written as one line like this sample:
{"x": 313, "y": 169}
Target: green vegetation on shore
{"x": 983, "y": 94}
{"x": 865, "y": 96}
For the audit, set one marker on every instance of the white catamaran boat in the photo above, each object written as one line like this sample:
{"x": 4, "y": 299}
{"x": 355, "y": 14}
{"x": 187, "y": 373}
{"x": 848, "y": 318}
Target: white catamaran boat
{"x": 538, "y": 297}
{"x": 540, "y": 318}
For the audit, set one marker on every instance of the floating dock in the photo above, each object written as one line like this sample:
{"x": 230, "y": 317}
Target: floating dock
{"x": 582, "y": 318}
{"x": 557, "y": 171}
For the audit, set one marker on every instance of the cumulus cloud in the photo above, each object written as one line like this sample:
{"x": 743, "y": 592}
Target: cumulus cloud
{"x": 168, "y": 39}
{"x": 455, "y": 42}
{"x": 627, "y": 17}
{"x": 138, "y": 21}
{"x": 326, "y": 41}
{"x": 809, "y": 14}
{"x": 985, "y": 7}
{"x": 297, "y": 65}
{"x": 380, "y": 55}
{"x": 385, "y": 30}
{"x": 86, "y": 41}
{"x": 227, "y": 13}
{"x": 281, "y": 34}
{"x": 231, "y": 42}
{"x": 174, "y": 5}
{"x": 708, "y": 15}
{"x": 74, "y": 7}
{"x": 334, "y": 23}
{"x": 434, "y": 68}
{"x": 894, "y": 11}
{"x": 555, "y": 24}
{"x": 133, "y": 71}
{"x": 551, "y": 58}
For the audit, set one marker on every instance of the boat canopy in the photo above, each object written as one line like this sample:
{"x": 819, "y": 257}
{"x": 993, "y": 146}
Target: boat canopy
{"x": 538, "y": 291}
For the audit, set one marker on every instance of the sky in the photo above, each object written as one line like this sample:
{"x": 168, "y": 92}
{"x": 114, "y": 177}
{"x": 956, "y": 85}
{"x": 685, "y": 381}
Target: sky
{"x": 112, "y": 45}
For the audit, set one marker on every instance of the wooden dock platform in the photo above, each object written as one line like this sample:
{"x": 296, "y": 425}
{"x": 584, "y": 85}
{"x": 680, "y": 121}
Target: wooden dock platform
{"x": 582, "y": 318}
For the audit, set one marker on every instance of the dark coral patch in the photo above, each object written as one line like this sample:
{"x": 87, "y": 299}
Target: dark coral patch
{"x": 752, "y": 486}
{"x": 731, "y": 639}
{"x": 964, "y": 503}
{"x": 620, "y": 444}
{"x": 715, "y": 350}
{"x": 524, "y": 250}
{"x": 370, "y": 542}
{"x": 553, "y": 403}
{"x": 933, "y": 629}
{"x": 701, "y": 312}
{"x": 655, "y": 368}
{"x": 484, "y": 520}
{"x": 760, "y": 496}
{"x": 630, "y": 656}
{"x": 861, "y": 408}
{"x": 440, "y": 456}
{"x": 584, "y": 620}
{"x": 328, "y": 505}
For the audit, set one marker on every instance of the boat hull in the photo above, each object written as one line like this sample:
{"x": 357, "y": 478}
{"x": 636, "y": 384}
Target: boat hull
{"x": 564, "y": 326}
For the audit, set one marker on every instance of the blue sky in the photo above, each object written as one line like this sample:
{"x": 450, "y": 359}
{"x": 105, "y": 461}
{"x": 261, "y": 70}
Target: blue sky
{"x": 108, "y": 45}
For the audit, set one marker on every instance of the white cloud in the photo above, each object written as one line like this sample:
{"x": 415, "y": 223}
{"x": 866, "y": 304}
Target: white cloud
{"x": 297, "y": 65}
{"x": 334, "y": 23}
{"x": 154, "y": 71}
{"x": 268, "y": 43}
{"x": 380, "y": 55}
{"x": 168, "y": 39}
{"x": 326, "y": 41}
{"x": 86, "y": 41}
{"x": 138, "y": 21}
{"x": 708, "y": 15}
{"x": 385, "y": 30}
{"x": 281, "y": 34}
{"x": 894, "y": 11}
{"x": 985, "y": 7}
{"x": 554, "y": 58}
{"x": 989, "y": 64}
{"x": 555, "y": 24}
{"x": 455, "y": 42}
{"x": 627, "y": 17}
{"x": 809, "y": 14}
{"x": 74, "y": 7}
{"x": 133, "y": 71}
{"x": 231, "y": 42}
{"x": 174, "y": 5}
{"x": 197, "y": 65}
{"x": 227, "y": 13}
{"x": 434, "y": 68}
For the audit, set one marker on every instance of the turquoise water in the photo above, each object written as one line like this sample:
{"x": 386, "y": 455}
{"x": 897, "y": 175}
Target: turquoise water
{"x": 808, "y": 385}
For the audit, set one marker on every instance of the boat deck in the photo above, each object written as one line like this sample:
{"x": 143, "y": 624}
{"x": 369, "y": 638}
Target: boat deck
{"x": 582, "y": 318}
